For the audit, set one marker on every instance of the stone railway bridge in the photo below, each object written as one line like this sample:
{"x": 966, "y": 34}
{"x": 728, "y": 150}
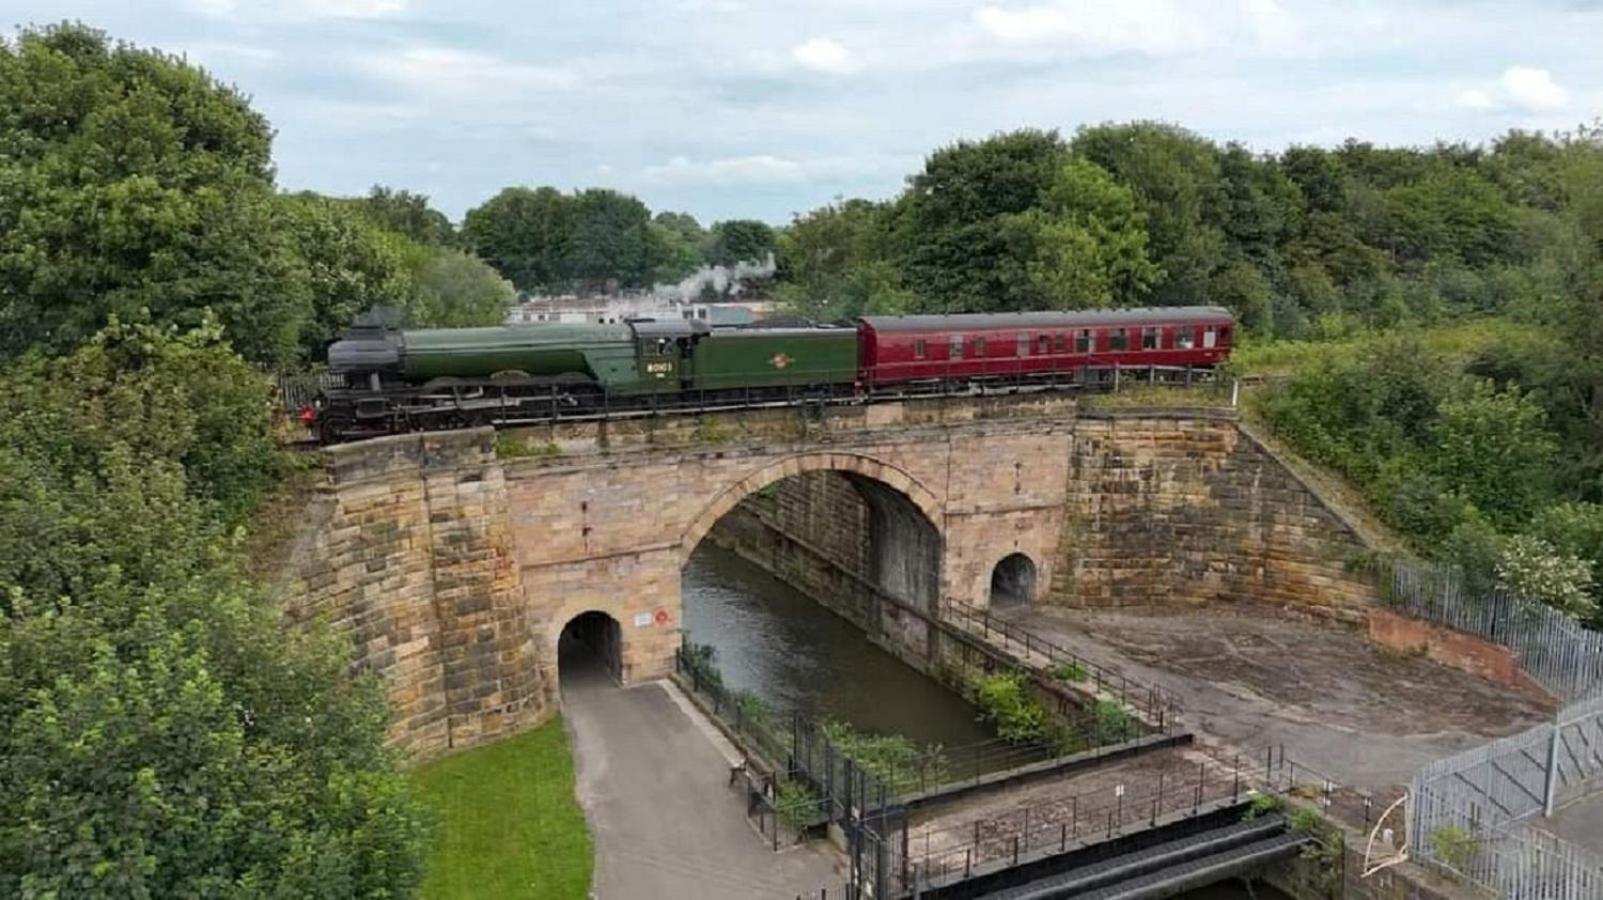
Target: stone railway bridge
{"x": 456, "y": 571}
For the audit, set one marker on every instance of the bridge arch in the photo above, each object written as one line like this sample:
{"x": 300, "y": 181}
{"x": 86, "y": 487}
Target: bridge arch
{"x": 866, "y": 467}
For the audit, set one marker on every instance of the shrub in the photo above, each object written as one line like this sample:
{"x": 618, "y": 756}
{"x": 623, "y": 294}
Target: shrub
{"x": 1263, "y": 805}
{"x": 1112, "y": 719}
{"x": 891, "y": 758}
{"x": 1069, "y": 671}
{"x": 1533, "y": 568}
{"x": 1453, "y": 845}
{"x": 1005, "y": 701}
{"x": 796, "y": 804}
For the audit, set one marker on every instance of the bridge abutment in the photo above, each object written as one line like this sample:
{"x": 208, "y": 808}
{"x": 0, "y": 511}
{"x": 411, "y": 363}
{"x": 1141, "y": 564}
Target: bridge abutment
{"x": 455, "y": 568}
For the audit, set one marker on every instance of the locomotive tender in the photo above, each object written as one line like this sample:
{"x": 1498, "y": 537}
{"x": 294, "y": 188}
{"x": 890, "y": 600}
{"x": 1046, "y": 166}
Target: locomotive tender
{"x": 409, "y": 380}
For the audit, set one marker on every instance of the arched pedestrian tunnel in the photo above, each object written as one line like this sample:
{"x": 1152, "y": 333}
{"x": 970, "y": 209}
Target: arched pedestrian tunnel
{"x": 1012, "y": 581}
{"x": 591, "y": 645}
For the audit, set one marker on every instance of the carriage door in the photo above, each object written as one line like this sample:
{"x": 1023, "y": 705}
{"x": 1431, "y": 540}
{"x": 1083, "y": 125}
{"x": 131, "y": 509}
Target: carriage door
{"x": 1210, "y": 337}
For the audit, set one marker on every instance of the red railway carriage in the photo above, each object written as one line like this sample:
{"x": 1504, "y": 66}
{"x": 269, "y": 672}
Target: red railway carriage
{"x": 893, "y": 349}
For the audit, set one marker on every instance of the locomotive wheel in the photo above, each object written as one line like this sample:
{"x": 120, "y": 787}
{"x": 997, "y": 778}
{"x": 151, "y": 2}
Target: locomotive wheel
{"x": 333, "y": 427}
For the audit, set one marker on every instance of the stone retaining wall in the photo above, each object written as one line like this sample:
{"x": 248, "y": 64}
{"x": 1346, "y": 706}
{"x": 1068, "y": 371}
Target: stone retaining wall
{"x": 1189, "y": 509}
{"x": 409, "y": 552}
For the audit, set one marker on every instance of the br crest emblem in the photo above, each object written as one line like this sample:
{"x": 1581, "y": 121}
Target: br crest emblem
{"x": 780, "y": 360}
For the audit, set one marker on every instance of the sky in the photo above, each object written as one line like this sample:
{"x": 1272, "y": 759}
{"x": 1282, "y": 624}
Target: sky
{"x": 769, "y": 108}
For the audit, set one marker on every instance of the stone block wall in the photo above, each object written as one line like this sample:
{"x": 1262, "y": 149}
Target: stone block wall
{"x": 1189, "y": 509}
{"x": 454, "y": 571}
{"x": 409, "y": 552}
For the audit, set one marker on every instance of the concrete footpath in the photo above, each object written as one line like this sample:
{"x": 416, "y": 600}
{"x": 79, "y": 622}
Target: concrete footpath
{"x": 654, "y": 784}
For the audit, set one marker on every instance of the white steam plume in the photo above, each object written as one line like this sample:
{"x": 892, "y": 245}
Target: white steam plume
{"x": 724, "y": 280}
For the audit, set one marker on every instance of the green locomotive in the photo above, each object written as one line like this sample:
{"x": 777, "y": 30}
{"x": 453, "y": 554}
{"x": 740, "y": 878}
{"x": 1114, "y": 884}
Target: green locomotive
{"x": 408, "y": 380}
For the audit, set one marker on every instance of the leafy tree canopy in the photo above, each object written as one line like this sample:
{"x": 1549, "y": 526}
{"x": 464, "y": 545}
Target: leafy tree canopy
{"x": 129, "y": 181}
{"x": 161, "y": 733}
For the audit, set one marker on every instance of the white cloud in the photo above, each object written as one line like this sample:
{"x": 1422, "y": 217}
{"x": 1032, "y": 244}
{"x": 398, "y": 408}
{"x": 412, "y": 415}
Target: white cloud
{"x": 432, "y": 71}
{"x": 298, "y": 10}
{"x": 824, "y": 55}
{"x": 1521, "y": 88}
{"x": 741, "y": 169}
{"x": 764, "y": 168}
{"x": 1533, "y": 89}
{"x": 1095, "y": 27}
{"x": 212, "y": 54}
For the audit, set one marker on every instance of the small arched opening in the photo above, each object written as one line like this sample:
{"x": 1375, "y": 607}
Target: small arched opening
{"x": 1012, "y": 581}
{"x": 591, "y": 646}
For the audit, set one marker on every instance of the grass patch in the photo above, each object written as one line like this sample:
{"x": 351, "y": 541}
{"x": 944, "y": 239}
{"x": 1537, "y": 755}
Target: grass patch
{"x": 513, "y": 446}
{"x": 510, "y": 825}
{"x": 1069, "y": 671}
{"x": 1455, "y": 341}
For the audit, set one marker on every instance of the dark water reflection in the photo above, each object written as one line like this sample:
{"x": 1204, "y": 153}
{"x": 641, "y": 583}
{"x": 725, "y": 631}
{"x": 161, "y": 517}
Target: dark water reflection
{"x": 779, "y": 643}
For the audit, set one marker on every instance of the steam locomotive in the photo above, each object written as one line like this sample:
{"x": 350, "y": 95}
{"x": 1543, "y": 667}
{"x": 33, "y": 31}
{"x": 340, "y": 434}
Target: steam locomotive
{"x": 392, "y": 381}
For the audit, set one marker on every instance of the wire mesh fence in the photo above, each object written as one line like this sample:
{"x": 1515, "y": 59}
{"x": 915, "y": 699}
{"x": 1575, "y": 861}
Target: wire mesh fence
{"x": 1555, "y": 649}
{"x": 1470, "y": 813}
{"x": 1510, "y": 858}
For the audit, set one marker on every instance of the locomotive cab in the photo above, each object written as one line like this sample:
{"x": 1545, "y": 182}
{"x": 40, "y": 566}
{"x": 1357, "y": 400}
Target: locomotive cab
{"x": 665, "y": 350}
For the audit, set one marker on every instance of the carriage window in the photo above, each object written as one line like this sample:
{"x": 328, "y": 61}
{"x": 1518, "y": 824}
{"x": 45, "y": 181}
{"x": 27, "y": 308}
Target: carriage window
{"x": 1060, "y": 343}
{"x": 1224, "y": 335}
{"x": 1043, "y": 345}
{"x": 1121, "y": 340}
{"x": 1149, "y": 339}
{"x": 979, "y": 347}
{"x": 1082, "y": 341}
{"x": 920, "y": 349}
{"x": 1208, "y": 337}
{"x": 954, "y": 347}
{"x": 1023, "y": 344}
{"x": 1183, "y": 338}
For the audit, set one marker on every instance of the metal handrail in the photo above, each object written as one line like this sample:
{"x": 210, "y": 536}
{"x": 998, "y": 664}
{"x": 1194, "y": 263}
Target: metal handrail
{"x": 1158, "y": 703}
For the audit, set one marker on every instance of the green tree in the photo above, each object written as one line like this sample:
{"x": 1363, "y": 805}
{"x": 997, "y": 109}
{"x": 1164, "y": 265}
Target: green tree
{"x": 132, "y": 181}
{"x": 404, "y": 212}
{"x": 161, "y": 732}
{"x": 610, "y": 238}
{"x": 1085, "y": 246}
{"x": 676, "y": 240}
{"x": 740, "y": 240}
{"x": 1243, "y": 289}
{"x": 456, "y": 289}
{"x": 837, "y": 263}
{"x": 1494, "y": 449}
{"x": 958, "y": 256}
{"x": 347, "y": 263}
{"x": 1175, "y": 175}
{"x": 525, "y": 233}
{"x": 1447, "y": 212}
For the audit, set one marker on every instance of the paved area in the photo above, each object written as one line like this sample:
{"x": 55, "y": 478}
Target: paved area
{"x": 653, "y": 782}
{"x": 1580, "y": 823}
{"x": 1362, "y": 716}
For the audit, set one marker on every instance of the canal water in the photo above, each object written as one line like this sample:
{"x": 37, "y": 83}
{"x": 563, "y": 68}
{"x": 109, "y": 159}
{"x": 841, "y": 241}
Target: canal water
{"x": 780, "y": 644}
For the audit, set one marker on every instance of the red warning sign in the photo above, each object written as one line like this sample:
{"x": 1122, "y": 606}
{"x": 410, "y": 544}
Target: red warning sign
{"x": 662, "y": 617}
